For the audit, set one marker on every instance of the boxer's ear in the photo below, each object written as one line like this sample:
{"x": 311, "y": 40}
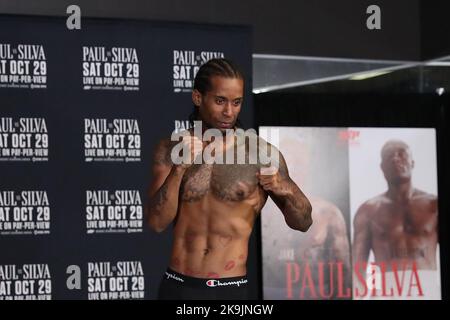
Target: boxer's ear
{"x": 196, "y": 97}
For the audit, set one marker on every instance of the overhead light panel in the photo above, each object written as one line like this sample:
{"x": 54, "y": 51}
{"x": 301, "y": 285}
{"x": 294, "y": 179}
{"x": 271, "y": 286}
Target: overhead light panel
{"x": 367, "y": 75}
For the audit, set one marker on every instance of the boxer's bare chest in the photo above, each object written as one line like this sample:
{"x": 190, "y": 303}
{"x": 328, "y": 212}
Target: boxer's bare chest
{"x": 414, "y": 218}
{"x": 227, "y": 182}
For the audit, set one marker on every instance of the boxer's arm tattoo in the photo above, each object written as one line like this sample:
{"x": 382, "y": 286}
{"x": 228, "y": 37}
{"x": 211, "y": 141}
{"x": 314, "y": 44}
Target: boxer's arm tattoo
{"x": 157, "y": 201}
{"x": 162, "y": 204}
{"x": 162, "y": 153}
{"x": 295, "y": 207}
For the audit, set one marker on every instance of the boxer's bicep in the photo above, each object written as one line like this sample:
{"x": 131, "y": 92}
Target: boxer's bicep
{"x": 361, "y": 235}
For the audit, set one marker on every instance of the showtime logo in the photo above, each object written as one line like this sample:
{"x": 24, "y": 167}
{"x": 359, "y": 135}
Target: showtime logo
{"x": 349, "y": 135}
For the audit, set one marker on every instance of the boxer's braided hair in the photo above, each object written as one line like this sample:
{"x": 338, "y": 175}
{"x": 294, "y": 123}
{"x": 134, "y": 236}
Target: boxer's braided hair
{"x": 214, "y": 67}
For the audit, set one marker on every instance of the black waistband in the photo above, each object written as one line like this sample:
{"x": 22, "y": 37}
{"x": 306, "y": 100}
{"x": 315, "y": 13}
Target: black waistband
{"x": 205, "y": 283}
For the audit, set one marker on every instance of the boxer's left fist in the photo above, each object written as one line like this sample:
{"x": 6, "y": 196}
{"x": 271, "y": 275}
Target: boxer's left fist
{"x": 271, "y": 180}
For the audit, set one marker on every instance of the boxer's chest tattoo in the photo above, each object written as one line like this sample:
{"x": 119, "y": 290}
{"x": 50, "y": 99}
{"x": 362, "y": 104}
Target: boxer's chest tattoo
{"x": 195, "y": 182}
{"x": 229, "y": 182}
{"x": 234, "y": 182}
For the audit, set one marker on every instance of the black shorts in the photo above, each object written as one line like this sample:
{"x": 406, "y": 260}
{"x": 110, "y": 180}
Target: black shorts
{"x": 176, "y": 286}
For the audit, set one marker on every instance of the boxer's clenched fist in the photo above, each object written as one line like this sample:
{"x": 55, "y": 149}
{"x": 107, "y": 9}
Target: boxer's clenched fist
{"x": 271, "y": 180}
{"x": 192, "y": 148}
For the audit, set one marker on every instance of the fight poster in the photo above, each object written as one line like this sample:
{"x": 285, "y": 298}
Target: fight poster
{"x": 375, "y": 216}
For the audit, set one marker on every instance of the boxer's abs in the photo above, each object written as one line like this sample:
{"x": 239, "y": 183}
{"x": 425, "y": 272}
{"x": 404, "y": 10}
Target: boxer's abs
{"x": 217, "y": 208}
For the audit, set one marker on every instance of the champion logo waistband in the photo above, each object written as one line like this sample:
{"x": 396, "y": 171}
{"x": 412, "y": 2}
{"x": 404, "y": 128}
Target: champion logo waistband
{"x": 205, "y": 283}
{"x": 173, "y": 276}
{"x": 220, "y": 283}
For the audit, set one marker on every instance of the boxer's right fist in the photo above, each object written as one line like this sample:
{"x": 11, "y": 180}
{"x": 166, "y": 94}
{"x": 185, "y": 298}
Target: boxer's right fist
{"x": 187, "y": 151}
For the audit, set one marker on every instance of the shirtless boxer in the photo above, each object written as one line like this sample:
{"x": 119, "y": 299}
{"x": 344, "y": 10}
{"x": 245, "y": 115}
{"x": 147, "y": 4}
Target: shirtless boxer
{"x": 400, "y": 225}
{"x": 325, "y": 243}
{"x": 214, "y": 206}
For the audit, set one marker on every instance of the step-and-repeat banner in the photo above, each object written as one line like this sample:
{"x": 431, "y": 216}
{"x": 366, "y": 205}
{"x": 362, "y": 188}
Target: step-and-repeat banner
{"x": 375, "y": 217}
{"x": 80, "y": 113}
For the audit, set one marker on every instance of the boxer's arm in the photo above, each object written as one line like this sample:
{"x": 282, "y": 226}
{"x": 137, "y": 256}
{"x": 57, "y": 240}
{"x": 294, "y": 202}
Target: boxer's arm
{"x": 162, "y": 204}
{"x": 294, "y": 205}
{"x": 340, "y": 242}
{"x": 361, "y": 238}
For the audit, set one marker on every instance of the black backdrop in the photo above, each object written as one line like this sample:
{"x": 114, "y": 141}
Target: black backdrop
{"x": 153, "y": 105}
{"x": 287, "y": 108}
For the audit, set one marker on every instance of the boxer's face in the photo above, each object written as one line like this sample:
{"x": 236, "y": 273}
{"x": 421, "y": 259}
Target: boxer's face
{"x": 220, "y": 107}
{"x": 397, "y": 162}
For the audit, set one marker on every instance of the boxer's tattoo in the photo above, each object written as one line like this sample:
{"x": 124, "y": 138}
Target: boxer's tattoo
{"x": 234, "y": 182}
{"x": 158, "y": 200}
{"x": 225, "y": 240}
{"x": 162, "y": 153}
{"x": 228, "y": 182}
{"x": 195, "y": 183}
{"x": 230, "y": 265}
{"x": 294, "y": 205}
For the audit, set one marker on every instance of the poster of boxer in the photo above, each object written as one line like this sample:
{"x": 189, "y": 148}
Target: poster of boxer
{"x": 314, "y": 264}
{"x": 393, "y": 192}
{"x": 374, "y": 233}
